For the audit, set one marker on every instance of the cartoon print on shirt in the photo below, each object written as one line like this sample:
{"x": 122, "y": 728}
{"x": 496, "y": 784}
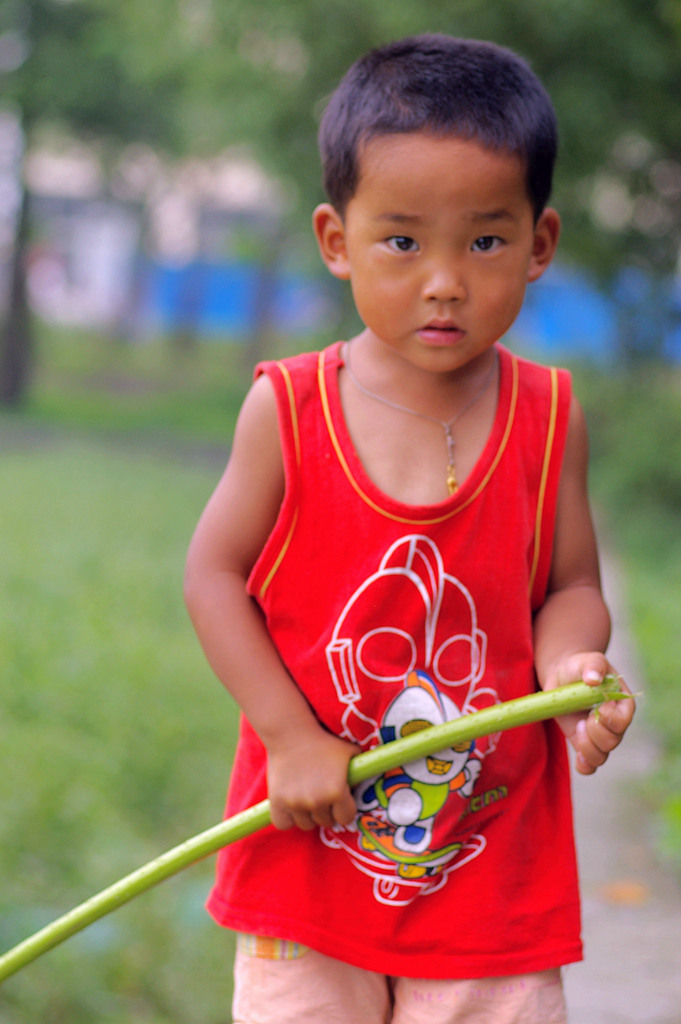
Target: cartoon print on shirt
{"x": 438, "y": 668}
{"x": 411, "y": 795}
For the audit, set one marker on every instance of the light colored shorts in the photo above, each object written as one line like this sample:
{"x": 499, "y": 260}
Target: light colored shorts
{"x": 280, "y": 982}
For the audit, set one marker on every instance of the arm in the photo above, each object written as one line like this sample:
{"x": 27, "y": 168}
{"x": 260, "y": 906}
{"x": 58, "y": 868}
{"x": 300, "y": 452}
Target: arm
{"x": 228, "y": 539}
{"x": 572, "y": 628}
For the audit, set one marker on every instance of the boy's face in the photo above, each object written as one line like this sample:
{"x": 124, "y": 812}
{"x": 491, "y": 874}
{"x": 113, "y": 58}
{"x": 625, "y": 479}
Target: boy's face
{"x": 439, "y": 243}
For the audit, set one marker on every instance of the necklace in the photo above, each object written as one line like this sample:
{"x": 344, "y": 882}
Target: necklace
{"x": 452, "y": 484}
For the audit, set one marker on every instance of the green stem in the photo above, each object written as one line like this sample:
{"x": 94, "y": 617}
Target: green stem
{"x": 523, "y": 711}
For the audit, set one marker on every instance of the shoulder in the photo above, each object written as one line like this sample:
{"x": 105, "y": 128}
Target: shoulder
{"x": 296, "y": 384}
{"x": 541, "y": 400}
{"x": 244, "y": 506}
{"x": 302, "y": 364}
{"x": 273, "y": 381}
{"x": 257, "y": 420}
{"x": 266, "y": 429}
{"x": 538, "y": 377}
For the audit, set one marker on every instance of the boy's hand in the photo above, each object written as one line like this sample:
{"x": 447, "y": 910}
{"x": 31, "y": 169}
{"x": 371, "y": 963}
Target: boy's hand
{"x": 594, "y": 734}
{"x": 307, "y": 782}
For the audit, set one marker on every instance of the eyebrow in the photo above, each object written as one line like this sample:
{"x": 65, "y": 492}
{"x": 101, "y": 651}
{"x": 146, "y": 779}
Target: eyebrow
{"x": 398, "y": 218}
{"x": 490, "y": 216}
{"x": 487, "y": 217}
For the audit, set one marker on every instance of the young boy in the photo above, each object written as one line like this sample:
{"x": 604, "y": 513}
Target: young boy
{"x": 402, "y": 535}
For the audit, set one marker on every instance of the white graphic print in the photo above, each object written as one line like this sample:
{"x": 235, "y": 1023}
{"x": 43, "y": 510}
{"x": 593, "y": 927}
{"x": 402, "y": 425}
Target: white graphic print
{"x": 440, "y": 666}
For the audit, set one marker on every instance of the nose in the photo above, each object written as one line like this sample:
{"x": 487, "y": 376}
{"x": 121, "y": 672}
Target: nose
{"x": 445, "y": 282}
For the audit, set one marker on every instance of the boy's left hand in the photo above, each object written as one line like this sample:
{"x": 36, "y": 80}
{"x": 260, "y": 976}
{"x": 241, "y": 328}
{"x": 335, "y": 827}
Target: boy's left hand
{"x": 594, "y": 734}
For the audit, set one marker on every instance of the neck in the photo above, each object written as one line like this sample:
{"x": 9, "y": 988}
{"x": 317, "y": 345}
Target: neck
{"x": 447, "y": 423}
{"x": 388, "y": 375}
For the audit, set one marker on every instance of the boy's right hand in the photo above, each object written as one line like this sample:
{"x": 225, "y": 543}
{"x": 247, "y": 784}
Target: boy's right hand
{"x": 308, "y": 782}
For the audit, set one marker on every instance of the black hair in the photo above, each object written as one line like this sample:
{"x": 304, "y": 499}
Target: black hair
{"x": 436, "y": 83}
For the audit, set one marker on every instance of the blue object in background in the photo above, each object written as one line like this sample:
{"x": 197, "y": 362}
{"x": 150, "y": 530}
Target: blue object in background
{"x": 564, "y": 315}
{"x": 220, "y": 299}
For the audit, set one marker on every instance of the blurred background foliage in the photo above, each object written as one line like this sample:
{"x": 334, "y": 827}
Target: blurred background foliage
{"x": 198, "y": 77}
{"x": 115, "y": 741}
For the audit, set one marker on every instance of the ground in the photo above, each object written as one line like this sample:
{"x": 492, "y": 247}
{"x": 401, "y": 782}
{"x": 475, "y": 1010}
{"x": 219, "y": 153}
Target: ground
{"x": 631, "y": 901}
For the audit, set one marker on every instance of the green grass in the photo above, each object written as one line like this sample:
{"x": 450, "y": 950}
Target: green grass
{"x": 651, "y": 554}
{"x": 635, "y": 423}
{"x": 115, "y": 739}
{"x": 146, "y": 391}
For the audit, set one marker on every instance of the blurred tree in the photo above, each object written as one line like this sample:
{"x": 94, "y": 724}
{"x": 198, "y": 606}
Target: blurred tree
{"x": 199, "y": 75}
{"x": 613, "y": 70}
{"x": 97, "y": 68}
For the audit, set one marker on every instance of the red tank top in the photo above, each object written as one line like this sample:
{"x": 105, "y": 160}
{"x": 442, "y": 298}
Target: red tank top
{"x": 391, "y": 617}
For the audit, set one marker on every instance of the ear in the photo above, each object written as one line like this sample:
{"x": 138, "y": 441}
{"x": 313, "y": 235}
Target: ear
{"x": 546, "y": 234}
{"x": 329, "y": 231}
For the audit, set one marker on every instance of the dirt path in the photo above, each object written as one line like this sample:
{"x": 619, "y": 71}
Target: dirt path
{"x": 631, "y": 902}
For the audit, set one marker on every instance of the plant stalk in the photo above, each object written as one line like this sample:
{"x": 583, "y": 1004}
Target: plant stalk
{"x": 535, "y": 707}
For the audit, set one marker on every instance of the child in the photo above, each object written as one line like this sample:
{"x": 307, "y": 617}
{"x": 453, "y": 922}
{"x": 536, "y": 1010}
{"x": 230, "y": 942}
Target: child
{"x": 402, "y": 535}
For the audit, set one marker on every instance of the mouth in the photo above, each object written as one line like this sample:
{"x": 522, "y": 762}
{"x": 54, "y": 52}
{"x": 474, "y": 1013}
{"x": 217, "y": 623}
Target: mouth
{"x": 437, "y": 766}
{"x": 441, "y": 332}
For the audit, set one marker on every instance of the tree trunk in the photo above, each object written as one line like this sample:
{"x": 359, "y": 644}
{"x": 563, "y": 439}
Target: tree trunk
{"x": 16, "y": 342}
{"x": 262, "y": 327}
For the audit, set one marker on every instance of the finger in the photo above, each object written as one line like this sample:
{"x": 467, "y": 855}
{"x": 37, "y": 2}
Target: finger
{"x": 616, "y": 720}
{"x": 617, "y": 715}
{"x": 583, "y": 766}
{"x": 344, "y": 810}
{"x": 597, "y": 750}
{"x": 590, "y": 755}
{"x": 591, "y": 668}
{"x": 594, "y": 743}
{"x": 323, "y": 817}
{"x": 594, "y": 669}
{"x": 304, "y": 820}
{"x": 607, "y": 727}
{"x": 280, "y": 817}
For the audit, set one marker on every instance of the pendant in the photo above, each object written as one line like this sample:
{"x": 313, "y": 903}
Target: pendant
{"x": 451, "y": 472}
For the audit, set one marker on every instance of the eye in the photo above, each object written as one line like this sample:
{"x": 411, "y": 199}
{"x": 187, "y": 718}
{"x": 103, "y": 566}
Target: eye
{"x": 402, "y": 243}
{"x": 487, "y": 243}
